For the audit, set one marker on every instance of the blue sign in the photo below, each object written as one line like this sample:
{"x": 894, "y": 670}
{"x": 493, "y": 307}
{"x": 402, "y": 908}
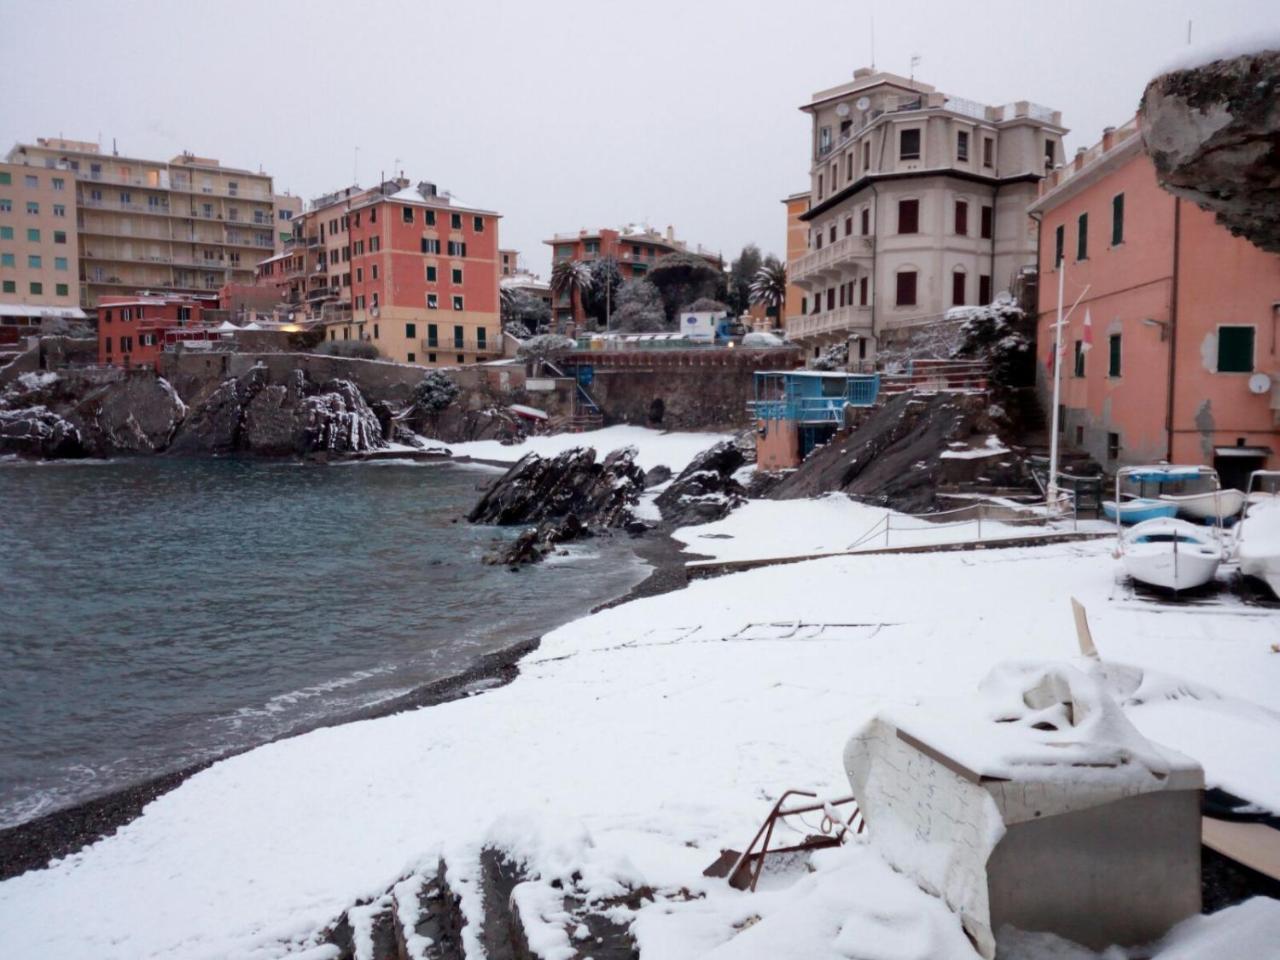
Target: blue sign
{"x": 586, "y": 376}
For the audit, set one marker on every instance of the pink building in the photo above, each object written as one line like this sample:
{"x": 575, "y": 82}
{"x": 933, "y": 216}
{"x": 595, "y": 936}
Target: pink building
{"x": 1180, "y": 359}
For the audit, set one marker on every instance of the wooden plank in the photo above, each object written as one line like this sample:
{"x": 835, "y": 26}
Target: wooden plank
{"x": 1255, "y": 845}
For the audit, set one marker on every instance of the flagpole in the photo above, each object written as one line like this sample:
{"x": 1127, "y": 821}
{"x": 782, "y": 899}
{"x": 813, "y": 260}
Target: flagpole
{"x": 1051, "y": 493}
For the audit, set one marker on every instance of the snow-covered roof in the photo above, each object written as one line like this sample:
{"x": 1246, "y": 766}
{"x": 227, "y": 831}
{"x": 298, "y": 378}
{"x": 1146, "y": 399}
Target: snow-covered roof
{"x": 412, "y": 196}
{"x": 37, "y": 310}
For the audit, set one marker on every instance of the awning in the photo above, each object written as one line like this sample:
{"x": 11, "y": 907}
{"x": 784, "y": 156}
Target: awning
{"x": 36, "y": 310}
{"x": 1263, "y": 452}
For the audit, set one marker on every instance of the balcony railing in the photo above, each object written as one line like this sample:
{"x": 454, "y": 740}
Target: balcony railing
{"x": 465, "y": 345}
{"x": 829, "y": 321}
{"x": 816, "y": 261}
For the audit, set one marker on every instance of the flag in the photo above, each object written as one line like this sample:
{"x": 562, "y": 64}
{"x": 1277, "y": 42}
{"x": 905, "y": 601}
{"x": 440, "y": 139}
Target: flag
{"x": 1086, "y": 343}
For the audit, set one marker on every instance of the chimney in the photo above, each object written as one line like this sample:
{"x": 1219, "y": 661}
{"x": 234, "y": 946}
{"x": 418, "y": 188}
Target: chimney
{"x": 1078, "y": 162}
{"x": 1108, "y": 138}
{"x": 428, "y": 190}
{"x": 671, "y": 233}
{"x": 862, "y": 72}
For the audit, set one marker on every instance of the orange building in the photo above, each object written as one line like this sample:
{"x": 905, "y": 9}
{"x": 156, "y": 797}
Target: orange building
{"x": 1179, "y": 361}
{"x": 634, "y": 248}
{"x": 133, "y": 331}
{"x": 797, "y": 246}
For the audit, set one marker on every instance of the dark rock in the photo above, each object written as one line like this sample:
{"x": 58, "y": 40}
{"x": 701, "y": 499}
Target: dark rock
{"x": 1213, "y": 133}
{"x": 138, "y": 414}
{"x": 706, "y": 490}
{"x": 656, "y": 476}
{"x": 215, "y": 425}
{"x": 39, "y": 432}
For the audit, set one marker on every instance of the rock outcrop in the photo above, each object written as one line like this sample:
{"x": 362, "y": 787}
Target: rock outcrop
{"x": 1213, "y": 133}
{"x": 566, "y": 497}
{"x": 39, "y": 432}
{"x": 706, "y": 490}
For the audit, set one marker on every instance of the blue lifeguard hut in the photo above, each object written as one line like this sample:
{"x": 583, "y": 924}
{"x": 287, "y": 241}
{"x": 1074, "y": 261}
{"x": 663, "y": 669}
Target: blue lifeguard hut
{"x": 795, "y": 410}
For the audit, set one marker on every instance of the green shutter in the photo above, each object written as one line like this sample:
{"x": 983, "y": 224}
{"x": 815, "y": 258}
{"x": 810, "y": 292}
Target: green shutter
{"x": 1082, "y": 237}
{"x": 1117, "y": 219}
{"x": 1059, "y": 241}
{"x": 1235, "y": 349}
{"x": 1113, "y": 366}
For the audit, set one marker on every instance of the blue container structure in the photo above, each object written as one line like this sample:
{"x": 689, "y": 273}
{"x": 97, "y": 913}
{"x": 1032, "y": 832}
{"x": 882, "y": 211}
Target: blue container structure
{"x": 812, "y": 400}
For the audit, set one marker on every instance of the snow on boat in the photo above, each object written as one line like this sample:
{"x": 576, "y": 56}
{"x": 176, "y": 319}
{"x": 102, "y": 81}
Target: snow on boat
{"x": 1170, "y": 553}
{"x": 1137, "y": 509}
{"x": 1258, "y": 537}
{"x": 1209, "y": 505}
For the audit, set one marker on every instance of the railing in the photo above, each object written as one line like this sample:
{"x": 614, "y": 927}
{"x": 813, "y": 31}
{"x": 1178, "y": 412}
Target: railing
{"x": 938, "y": 376}
{"x": 465, "y": 345}
{"x": 861, "y": 391}
{"x": 880, "y": 534}
{"x": 841, "y": 318}
{"x": 850, "y": 247}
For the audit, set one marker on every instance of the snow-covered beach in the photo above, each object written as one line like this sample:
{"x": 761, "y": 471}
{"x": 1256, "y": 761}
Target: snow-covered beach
{"x": 639, "y": 741}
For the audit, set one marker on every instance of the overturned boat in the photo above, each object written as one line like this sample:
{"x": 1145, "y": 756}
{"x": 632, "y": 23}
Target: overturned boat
{"x": 1219, "y": 505}
{"x": 1160, "y": 550}
{"x": 1258, "y": 536}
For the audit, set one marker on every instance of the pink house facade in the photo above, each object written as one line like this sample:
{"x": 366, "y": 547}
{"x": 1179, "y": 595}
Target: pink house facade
{"x": 1179, "y": 361}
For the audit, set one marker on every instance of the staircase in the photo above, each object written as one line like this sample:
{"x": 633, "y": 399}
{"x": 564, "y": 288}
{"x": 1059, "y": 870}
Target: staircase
{"x": 421, "y": 918}
{"x": 937, "y": 376}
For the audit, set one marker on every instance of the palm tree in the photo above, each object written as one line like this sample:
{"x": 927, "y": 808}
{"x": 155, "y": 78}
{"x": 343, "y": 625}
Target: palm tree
{"x": 769, "y": 286}
{"x": 572, "y": 278}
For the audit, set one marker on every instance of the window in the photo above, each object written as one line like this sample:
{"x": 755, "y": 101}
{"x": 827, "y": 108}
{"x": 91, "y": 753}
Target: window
{"x": 7, "y": 260}
{"x": 59, "y": 210}
{"x": 411, "y": 357}
{"x": 375, "y": 244}
{"x": 987, "y": 225}
{"x": 1078, "y": 370}
{"x": 373, "y": 272}
{"x": 817, "y": 239}
{"x": 481, "y": 339}
{"x": 455, "y": 221}
{"x": 957, "y": 288}
{"x": 433, "y": 301}
{"x": 430, "y": 246}
{"x": 431, "y": 358}
{"x": 107, "y": 344}
{"x": 1235, "y": 349}
{"x": 457, "y": 248}
{"x": 832, "y": 235}
{"x": 907, "y": 288}
{"x": 6, "y": 205}
{"x": 373, "y": 215}
{"x": 6, "y": 233}
{"x": 1050, "y": 154}
{"x": 1113, "y": 446}
{"x": 848, "y": 226}
{"x": 831, "y": 298}
{"x": 59, "y": 236}
{"x": 359, "y": 274}
{"x": 962, "y": 146}
{"x": 375, "y": 331}
{"x": 819, "y": 186}
{"x": 962, "y": 218}
{"x": 1082, "y": 237}
{"x": 477, "y": 224}
{"x": 31, "y": 181}
{"x": 862, "y": 291}
{"x": 984, "y": 289}
{"x": 457, "y": 338}
{"x": 1059, "y": 241}
{"x": 909, "y": 144}
{"x": 430, "y": 218}
{"x": 909, "y": 216}
{"x": 433, "y": 336}
{"x": 34, "y": 261}
{"x": 5, "y": 178}
{"x": 456, "y": 276}
{"x": 804, "y": 304}
{"x": 866, "y": 155}
{"x": 1117, "y": 219}
{"x": 1113, "y": 355}
{"x": 431, "y": 273}
{"x": 457, "y": 303}
{"x": 33, "y": 207}
{"x": 866, "y": 221}
{"x": 10, "y": 286}
{"x": 848, "y": 166}
{"x": 60, "y": 263}
{"x": 410, "y": 330}
{"x": 37, "y": 288}
{"x": 406, "y": 214}
{"x": 988, "y": 152}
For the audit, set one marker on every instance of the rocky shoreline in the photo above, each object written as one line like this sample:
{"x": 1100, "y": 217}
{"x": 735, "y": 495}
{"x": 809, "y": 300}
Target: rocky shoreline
{"x": 61, "y": 833}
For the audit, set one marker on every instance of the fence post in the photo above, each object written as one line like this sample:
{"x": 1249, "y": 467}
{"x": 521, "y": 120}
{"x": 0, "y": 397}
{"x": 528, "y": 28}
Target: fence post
{"x": 886, "y": 529}
{"x": 980, "y": 511}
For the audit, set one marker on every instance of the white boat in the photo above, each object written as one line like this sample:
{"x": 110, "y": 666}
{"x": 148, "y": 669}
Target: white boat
{"x": 1170, "y": 553}
{"x": 1136, "y": 509}
{"x": 1258, "y": 537}
{"x": 1208, "y": 505}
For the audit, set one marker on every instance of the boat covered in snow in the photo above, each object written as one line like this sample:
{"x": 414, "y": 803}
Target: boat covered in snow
{"x": 1137, "y": 509}
{"x": 1170, "y": 553}
{"x": 1209, "y": 505}
{"x": 1258, "y": 536}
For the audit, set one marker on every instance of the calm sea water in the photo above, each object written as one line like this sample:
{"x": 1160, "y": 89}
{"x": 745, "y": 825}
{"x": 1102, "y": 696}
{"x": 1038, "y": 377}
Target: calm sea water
{"x": 156, "y": 612}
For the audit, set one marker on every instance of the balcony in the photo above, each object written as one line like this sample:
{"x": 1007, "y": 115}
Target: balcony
{"x": 831, "y": 261}
{"x": 465, "y": 345}
{"x": 841, "y": 320}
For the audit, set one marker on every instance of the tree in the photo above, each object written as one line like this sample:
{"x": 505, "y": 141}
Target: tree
{"x": 601, "y": 298}
{"x": 520, "y": 308}
{"x": 544, "y": 347}
{"x": 432, "y": 397}
{"x": 741, "y": 273}
{"x": 684, "y": 277}
{"x": 770, "y": 287}
{"x": 639, "y": 308}
{"x": 572, "y": 279}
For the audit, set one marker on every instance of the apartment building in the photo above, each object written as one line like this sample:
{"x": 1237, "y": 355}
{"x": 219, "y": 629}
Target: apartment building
{"x": 187, "y": 224}
{"x": 133, "y": 331}
{"x": 797, "y": 245}
{"x": 287, "y": 207}
{"x": 1179, "y": 359}
{"x": 424, "y": 274}
{"x": 918, "y": 203}
{"x": 635, "y": 248}
{"x": 510, "y": 260}
{"x": 38, "y": 241}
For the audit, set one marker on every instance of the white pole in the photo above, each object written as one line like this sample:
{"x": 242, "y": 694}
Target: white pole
{"x": 1051, "y": 493}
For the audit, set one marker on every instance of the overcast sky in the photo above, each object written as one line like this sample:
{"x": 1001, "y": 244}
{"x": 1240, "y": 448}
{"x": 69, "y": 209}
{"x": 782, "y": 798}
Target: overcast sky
{"x": 561, "y": 115}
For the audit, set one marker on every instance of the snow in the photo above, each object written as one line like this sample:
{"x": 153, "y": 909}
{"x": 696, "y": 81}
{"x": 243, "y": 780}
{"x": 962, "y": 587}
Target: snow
{"x": 37, "y": 380}
{"x": 959, "y": 451}
{"x": 1199, "y": 54}
{"x": 653, "y": 447}
{"x": 639, "y": 741}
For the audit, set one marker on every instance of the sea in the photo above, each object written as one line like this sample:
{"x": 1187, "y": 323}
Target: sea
{"x": 156, "y": 612}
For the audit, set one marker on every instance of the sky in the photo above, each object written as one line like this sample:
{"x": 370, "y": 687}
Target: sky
{"x": 559, "y": 114}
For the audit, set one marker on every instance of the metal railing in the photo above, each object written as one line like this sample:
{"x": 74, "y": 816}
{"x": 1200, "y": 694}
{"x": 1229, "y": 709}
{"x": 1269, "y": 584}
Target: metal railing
{"x": 860, "y": 392}
{"x": 880, "y": 534}
{"x": 851, "y": 247}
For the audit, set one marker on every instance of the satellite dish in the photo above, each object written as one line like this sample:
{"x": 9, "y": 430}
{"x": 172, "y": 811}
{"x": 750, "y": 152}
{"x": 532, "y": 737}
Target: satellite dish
{"x": 1259, "y": 383}
{"x": 842, "y": 110}
{"x": 863, "y": 103}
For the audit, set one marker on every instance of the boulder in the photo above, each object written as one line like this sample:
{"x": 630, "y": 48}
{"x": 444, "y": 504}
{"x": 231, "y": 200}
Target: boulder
{"x": 1213, "y": 133}
{"x": 138, "y": 414}
{"x": 706, "y": 490}
{"x": 657, "y": 476}
{"x": 39, "y": 432}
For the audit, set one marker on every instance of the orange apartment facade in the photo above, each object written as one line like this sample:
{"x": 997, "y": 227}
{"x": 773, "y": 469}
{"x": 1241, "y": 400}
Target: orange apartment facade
{"x": 38, "y": 243}
{"x": 1182, "y": 363}
{"x": 797, "y": 246}
{"x": 133, "y": 331}
{"x": 634, "y": 248}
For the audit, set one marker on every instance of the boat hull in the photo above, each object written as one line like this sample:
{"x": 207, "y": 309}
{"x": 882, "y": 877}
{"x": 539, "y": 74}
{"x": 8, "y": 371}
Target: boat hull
{"x": 1207, "y": 506}
{"x": 1138, "y": 510}
{"x": 1170, "y": 554}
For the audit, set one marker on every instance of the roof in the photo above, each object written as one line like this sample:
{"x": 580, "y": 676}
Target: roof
{"x": 1096, "y": 163}
{"x": 175, "y": 162}
{"x": 868, "y": 179}
{"x": 410, "y": 195}
{"x": 38, "y": 310}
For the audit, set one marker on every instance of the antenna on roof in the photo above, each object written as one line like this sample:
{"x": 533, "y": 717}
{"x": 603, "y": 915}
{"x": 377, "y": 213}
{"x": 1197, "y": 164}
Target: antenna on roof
{"x": 873, "y": 41}
{"x": 915, "y": 62}
{"x": 1188, "y": 33}
{"x": 355, "y": 167}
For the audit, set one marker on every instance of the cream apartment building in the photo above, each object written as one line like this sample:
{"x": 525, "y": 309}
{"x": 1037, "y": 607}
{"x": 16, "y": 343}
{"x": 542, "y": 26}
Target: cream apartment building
{"x": 917, "y": 203}
{"x": 38, "y": 243}
{"x": 188, "y": 224}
